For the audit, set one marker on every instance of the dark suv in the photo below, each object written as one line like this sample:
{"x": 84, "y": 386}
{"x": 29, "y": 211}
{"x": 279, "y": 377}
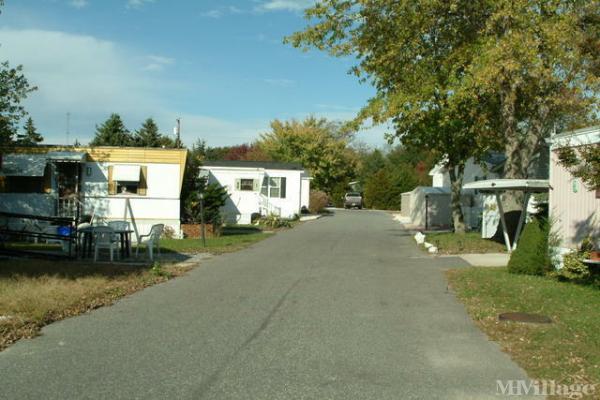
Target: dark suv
{"x": 353, "y": 199}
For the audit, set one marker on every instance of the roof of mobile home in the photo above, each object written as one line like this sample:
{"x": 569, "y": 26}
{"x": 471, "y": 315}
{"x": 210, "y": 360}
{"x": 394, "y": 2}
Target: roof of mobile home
{"x": 254, "y": 164}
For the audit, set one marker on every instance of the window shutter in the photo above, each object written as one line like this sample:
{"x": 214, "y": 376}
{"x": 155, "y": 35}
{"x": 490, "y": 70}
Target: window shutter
{"x": 143, "y": 186}
{"x": 256, "y": 184}
{"x": 112, "y": 186}
{"x": 238, "y": 184}
{"x": 283, "y": 187}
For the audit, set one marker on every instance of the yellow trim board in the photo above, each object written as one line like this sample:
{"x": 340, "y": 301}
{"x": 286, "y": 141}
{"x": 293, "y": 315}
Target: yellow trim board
{"x": 115, "y": 154}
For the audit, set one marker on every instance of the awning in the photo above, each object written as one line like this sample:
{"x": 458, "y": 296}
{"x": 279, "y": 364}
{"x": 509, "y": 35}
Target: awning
{"x": 495, "y": 185}
{"x": 23, "y": 164}
{"x": 67, "y": 156}
{"x": 126, "y": 173}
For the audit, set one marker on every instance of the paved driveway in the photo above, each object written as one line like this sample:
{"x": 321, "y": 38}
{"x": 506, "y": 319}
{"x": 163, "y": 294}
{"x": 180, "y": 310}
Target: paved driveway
{"x": 340, "y": 308}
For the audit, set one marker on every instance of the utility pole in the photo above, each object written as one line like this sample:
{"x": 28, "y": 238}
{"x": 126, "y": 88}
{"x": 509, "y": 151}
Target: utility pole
{"x": 178, "y": 133}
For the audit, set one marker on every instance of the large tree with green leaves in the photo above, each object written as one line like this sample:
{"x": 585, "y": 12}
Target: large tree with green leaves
{"x": 30, "y": 135}
{"x": 149, "y": 136}
{"x": 14, "y": 88}
{"x": 461, "y": 77}
{"x": 321, "y": 146}
{"x": 112, "y": 132}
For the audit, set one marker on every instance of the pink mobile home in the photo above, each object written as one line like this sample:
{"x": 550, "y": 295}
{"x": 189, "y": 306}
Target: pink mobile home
{"x": 574, "y": 207}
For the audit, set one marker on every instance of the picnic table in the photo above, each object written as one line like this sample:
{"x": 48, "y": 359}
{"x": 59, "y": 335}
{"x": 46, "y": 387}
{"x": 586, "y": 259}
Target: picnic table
{"x": 88, "y": 239}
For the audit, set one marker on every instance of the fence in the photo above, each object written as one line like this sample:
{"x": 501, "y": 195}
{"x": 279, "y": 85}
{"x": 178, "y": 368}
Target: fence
{"x": 35, "y": 235}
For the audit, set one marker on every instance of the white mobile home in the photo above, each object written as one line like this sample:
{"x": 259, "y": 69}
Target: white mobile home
{"x": 260, "y": 188}
{"x": 98, "y": 181}
{"x": 574, "y": 208}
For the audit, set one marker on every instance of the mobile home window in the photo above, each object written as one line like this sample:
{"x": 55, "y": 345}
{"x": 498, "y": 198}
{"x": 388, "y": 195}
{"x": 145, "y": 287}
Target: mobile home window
{"x": 277, "y": 188}
{"x": 127, "y": 179}
{"x": 247, "y": 185}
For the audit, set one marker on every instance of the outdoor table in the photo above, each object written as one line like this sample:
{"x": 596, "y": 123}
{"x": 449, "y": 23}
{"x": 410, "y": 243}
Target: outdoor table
{"x": 88, "y": 239}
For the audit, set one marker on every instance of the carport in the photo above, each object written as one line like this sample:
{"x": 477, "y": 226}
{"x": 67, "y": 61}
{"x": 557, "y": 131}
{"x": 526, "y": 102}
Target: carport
{"x": 497, "y": 186}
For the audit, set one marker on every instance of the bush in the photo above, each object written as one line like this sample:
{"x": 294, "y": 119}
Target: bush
{"x": 318, "y": 201}
{"x": 531, "y": 256}
{"x": 573, "y": 268}
{"x": 273, "y": 221}
{"x": 384, "y": 189}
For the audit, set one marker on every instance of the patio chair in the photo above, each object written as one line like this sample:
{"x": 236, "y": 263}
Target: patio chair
{"x": 150, "y": 240}
{"x": 82, "y": 230}
{"x": 104, "y": 238}
{"x": 119, "y": 226}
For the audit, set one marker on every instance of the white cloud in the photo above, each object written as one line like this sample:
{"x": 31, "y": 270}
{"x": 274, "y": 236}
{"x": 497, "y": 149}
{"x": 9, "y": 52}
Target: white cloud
{"x": 222, "y": 11}
{"x": 212, "y": 14}
{"x": 91, "y": 78}
{"x": 281, "y": 82}
{"x": 137, "y": 3}
{"x": 285, "y": 5}
{"x": 158, "y": 63}
{"x": 79, "y": 3}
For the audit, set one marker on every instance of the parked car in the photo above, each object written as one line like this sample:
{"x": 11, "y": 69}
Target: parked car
{"x": 353, "y": 199}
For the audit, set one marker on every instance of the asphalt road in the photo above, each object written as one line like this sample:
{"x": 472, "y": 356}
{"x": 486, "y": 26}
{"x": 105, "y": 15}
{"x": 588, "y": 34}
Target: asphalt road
{"x": 340, "y": 308}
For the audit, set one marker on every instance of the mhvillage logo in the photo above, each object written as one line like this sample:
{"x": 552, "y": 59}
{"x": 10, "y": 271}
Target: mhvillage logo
{"x": 542, "y": 387}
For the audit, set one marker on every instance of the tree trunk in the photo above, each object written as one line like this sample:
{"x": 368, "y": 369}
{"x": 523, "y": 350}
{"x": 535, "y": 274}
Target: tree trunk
{"x": 516, "y": 164}
{"x": 456, "y": 180}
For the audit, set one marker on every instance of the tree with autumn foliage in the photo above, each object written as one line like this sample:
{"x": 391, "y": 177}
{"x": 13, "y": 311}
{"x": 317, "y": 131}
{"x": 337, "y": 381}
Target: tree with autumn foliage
{"x": 321, "y": 146}
{"x": 460, "y": 77}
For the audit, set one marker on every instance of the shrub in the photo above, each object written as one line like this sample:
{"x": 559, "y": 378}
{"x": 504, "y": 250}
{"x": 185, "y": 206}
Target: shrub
{"x": 169, "y": 232}
{"x": 573, "y": 268}
{"x": 531, "y": 256}
{"x": 273, "y": 221}
{"x": 318, "y": 201}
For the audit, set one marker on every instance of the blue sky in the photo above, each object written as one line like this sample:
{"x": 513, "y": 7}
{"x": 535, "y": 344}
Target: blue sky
{"x": 219, "y": 65}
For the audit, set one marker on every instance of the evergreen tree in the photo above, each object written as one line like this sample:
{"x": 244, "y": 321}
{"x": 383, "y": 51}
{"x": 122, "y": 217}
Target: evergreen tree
{"x": 30, "y": 137}
{"x": 149, "y": 136}
{"x": 112, "y": 133}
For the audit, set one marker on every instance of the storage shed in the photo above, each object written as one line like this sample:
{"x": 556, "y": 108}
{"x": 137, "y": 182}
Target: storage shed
{"x": 429, "y": 207}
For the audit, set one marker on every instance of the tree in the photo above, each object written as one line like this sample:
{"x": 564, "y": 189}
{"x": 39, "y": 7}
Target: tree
{"x": 14, "y": 88}
{"x": 149, "y": 136}
{"x": 30, "y": 137}
{"x": 583, "y": 162}
{"x": 459, "y": 77}
{"x": 384, "y": 188}
{"x": 245, "y": 152}
{"x": 112, "y": 132}
{"x": 318, "y": 144}
{"x": 414, "y": 53}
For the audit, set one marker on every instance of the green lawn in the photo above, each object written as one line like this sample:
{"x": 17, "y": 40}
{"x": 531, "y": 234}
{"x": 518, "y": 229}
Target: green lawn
{"x": 233, "y": 238}
{"x": 567, "y": 351}
{"x": 471, "y": 242}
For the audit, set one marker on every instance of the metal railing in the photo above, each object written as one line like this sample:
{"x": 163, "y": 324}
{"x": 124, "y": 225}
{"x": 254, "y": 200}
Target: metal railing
{"x": 35, "y": 235}
{"x": 266, "y": 207}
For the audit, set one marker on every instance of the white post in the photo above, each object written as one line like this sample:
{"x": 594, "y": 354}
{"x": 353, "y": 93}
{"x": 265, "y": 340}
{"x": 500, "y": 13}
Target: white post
{"x": 521, "y": 220}
{"x": 504, "y": 229}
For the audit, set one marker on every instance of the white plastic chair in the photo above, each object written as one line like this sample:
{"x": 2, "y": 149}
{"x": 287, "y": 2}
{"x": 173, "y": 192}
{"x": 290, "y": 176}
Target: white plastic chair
{"x": 85, "y": 226}
{"x": 119, "y": 225}
{"x": 150, "y": 240}
{"x": 104, "y": 238}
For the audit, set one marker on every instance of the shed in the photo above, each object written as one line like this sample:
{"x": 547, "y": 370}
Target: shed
{"x": 429, "y": 207}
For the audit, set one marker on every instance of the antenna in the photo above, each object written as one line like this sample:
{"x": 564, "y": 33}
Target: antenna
{"x": 68, "y": 127}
